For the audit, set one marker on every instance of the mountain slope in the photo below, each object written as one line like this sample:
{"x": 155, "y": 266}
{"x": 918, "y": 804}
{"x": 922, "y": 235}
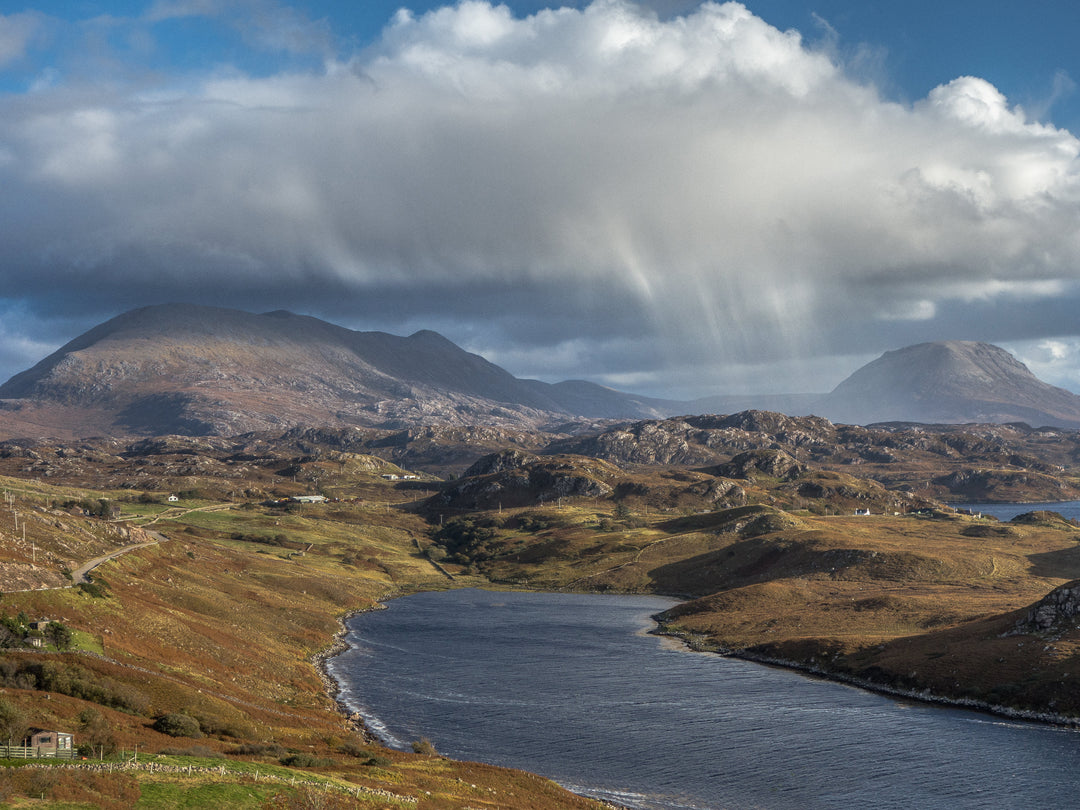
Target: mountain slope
{"x": 203, "y": 370}
{"x": 949, "y": 382}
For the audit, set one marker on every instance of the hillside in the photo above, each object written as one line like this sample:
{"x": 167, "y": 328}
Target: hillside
{"x": 198, "y": 370}
{"x": 751, "y": 518}
{"x": 201, "y": 650}
{"x": 950, "y": 382}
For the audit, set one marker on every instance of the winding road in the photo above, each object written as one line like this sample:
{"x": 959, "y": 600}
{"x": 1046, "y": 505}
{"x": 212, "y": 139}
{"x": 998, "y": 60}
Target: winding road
{"x": 78, "y": 576}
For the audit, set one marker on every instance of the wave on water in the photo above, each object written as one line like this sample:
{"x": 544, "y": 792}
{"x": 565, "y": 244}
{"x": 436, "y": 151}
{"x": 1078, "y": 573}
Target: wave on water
{"x": 379, "y": 729}
{"x": 630, "y": 799}
{"x": 619, "y": 797}
{"x": 346, "y": 692}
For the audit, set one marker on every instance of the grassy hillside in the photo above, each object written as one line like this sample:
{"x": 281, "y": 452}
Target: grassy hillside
{"x": 220, "y": 623}
{"x": 198, "y": 647}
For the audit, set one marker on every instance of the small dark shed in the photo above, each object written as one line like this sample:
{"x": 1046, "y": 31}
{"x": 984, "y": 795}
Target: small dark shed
{"x": 45, "y": 741}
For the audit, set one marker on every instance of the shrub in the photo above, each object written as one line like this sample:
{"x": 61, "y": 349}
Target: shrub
{"x": 193, "y": 751}
{"x": 13, "y": 722}
{"x": 96, "y": 735}
{"x": 305, "y": 761}
{"x": 424, "y": 746}
{"x": 96, "y": 588}
{"x": 59, "y": 635}
{"x": 76, "y": 682}
{"x": 259, "y": 750}
{"x": 178, "y": 725}
{"x": 352, "y": 748}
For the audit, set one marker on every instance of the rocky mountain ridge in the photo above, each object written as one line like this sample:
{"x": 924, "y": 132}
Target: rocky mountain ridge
{"x": 195, "y": 370}
{"x": 199, "y": 370}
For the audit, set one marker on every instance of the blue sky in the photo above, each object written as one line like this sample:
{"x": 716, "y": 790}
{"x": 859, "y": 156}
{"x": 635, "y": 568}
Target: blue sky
{"x": 1027, "y": 50}
{"x": 671, "y": 198}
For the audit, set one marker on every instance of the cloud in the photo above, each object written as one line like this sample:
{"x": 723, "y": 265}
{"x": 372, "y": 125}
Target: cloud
{"x": 588, "y": 192}
{"x": 17, "y": 33}
{"x": 264, "y": 24}
{"x": 1055, "y": 359}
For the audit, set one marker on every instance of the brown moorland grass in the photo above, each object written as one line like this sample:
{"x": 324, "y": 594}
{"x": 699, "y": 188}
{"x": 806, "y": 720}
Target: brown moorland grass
{"x": 220, "y": 630}
{"x": 222, "y": 619}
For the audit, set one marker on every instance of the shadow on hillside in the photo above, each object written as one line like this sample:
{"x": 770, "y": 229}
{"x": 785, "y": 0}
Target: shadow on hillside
{"x": 1064, "y": 563}
{"x": 740, "y": 563}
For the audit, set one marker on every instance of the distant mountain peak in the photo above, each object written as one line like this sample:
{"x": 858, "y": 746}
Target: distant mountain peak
{"x": 950, "y": 381}
{"x": 184, "y": 368}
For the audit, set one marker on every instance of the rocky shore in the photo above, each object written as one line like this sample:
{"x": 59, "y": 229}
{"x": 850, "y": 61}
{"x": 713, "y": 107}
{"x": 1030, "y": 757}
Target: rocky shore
{"x": 699, "y": 643}
{"x": 354, "y": 721}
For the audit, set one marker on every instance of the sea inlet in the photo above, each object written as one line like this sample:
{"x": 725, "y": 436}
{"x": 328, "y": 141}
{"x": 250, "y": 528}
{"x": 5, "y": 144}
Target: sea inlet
{"x": 573, "y": 687}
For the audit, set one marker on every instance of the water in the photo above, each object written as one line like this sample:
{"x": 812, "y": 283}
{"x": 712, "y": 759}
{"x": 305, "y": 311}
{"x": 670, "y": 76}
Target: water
{"x": 1069, "y": 510}
{"x": 572, "y": 687}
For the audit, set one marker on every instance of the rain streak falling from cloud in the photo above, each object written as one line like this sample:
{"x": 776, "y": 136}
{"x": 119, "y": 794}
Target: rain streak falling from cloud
{"x": 594, "y": 192}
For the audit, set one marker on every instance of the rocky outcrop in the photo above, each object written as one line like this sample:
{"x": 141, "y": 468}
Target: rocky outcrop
{"x": 1058, "y": 611}
{"x": 774, "y": 463}
{"x": 498, "y": 462}
{"x": 535, "y": 482}
{"x": 721, "y": 493}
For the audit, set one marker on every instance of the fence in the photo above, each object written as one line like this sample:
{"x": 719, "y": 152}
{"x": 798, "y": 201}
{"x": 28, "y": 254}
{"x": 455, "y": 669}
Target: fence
{"x": 34, "y": 752}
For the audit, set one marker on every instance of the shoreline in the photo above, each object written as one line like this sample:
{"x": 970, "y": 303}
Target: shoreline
{"x": 321, "y": 660}
{"x": 699, "y": 644}
{"x": 355, "y": 721}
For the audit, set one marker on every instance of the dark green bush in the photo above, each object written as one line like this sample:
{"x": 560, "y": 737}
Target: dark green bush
{"x": 178, "y": 725}
{"x": 305, "y": 761}
{"x": 97, "y": 588}
{"x": 259, "y": 750}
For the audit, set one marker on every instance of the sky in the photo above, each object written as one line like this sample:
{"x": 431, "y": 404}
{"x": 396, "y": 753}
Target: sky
{"x": 670, "y": 198}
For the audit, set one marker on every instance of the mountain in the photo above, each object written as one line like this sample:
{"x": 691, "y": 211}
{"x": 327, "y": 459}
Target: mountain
{"x": 949, "y": 382}
{"x": 199, "y": 370}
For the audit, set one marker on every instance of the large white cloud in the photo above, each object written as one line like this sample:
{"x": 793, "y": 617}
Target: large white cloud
{"x": 576, "y": 193}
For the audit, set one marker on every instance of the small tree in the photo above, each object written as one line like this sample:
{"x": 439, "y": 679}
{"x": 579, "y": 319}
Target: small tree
{"x": 59, "y": 635}
{"x": 96, "y": 734}
{"x": 424, "y": 746}
{"x": 13, "y": 722}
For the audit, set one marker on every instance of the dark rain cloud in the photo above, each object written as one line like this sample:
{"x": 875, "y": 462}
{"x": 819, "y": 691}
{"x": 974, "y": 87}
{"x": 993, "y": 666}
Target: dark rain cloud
{"x": 672, "y": 204}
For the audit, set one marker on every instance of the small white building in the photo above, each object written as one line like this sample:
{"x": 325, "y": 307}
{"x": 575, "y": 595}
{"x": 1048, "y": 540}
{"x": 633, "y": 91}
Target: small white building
{"x": 172, "y": 499}
{"x": 309, "y": 498}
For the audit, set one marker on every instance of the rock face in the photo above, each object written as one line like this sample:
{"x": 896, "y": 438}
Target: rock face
{"x": 949, "y": 382}
{"x": 196, "y": 370}
{"x": 774, "y": 463}
{"x": 511, "y": 479}
{"x": 1058, "y": 610}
